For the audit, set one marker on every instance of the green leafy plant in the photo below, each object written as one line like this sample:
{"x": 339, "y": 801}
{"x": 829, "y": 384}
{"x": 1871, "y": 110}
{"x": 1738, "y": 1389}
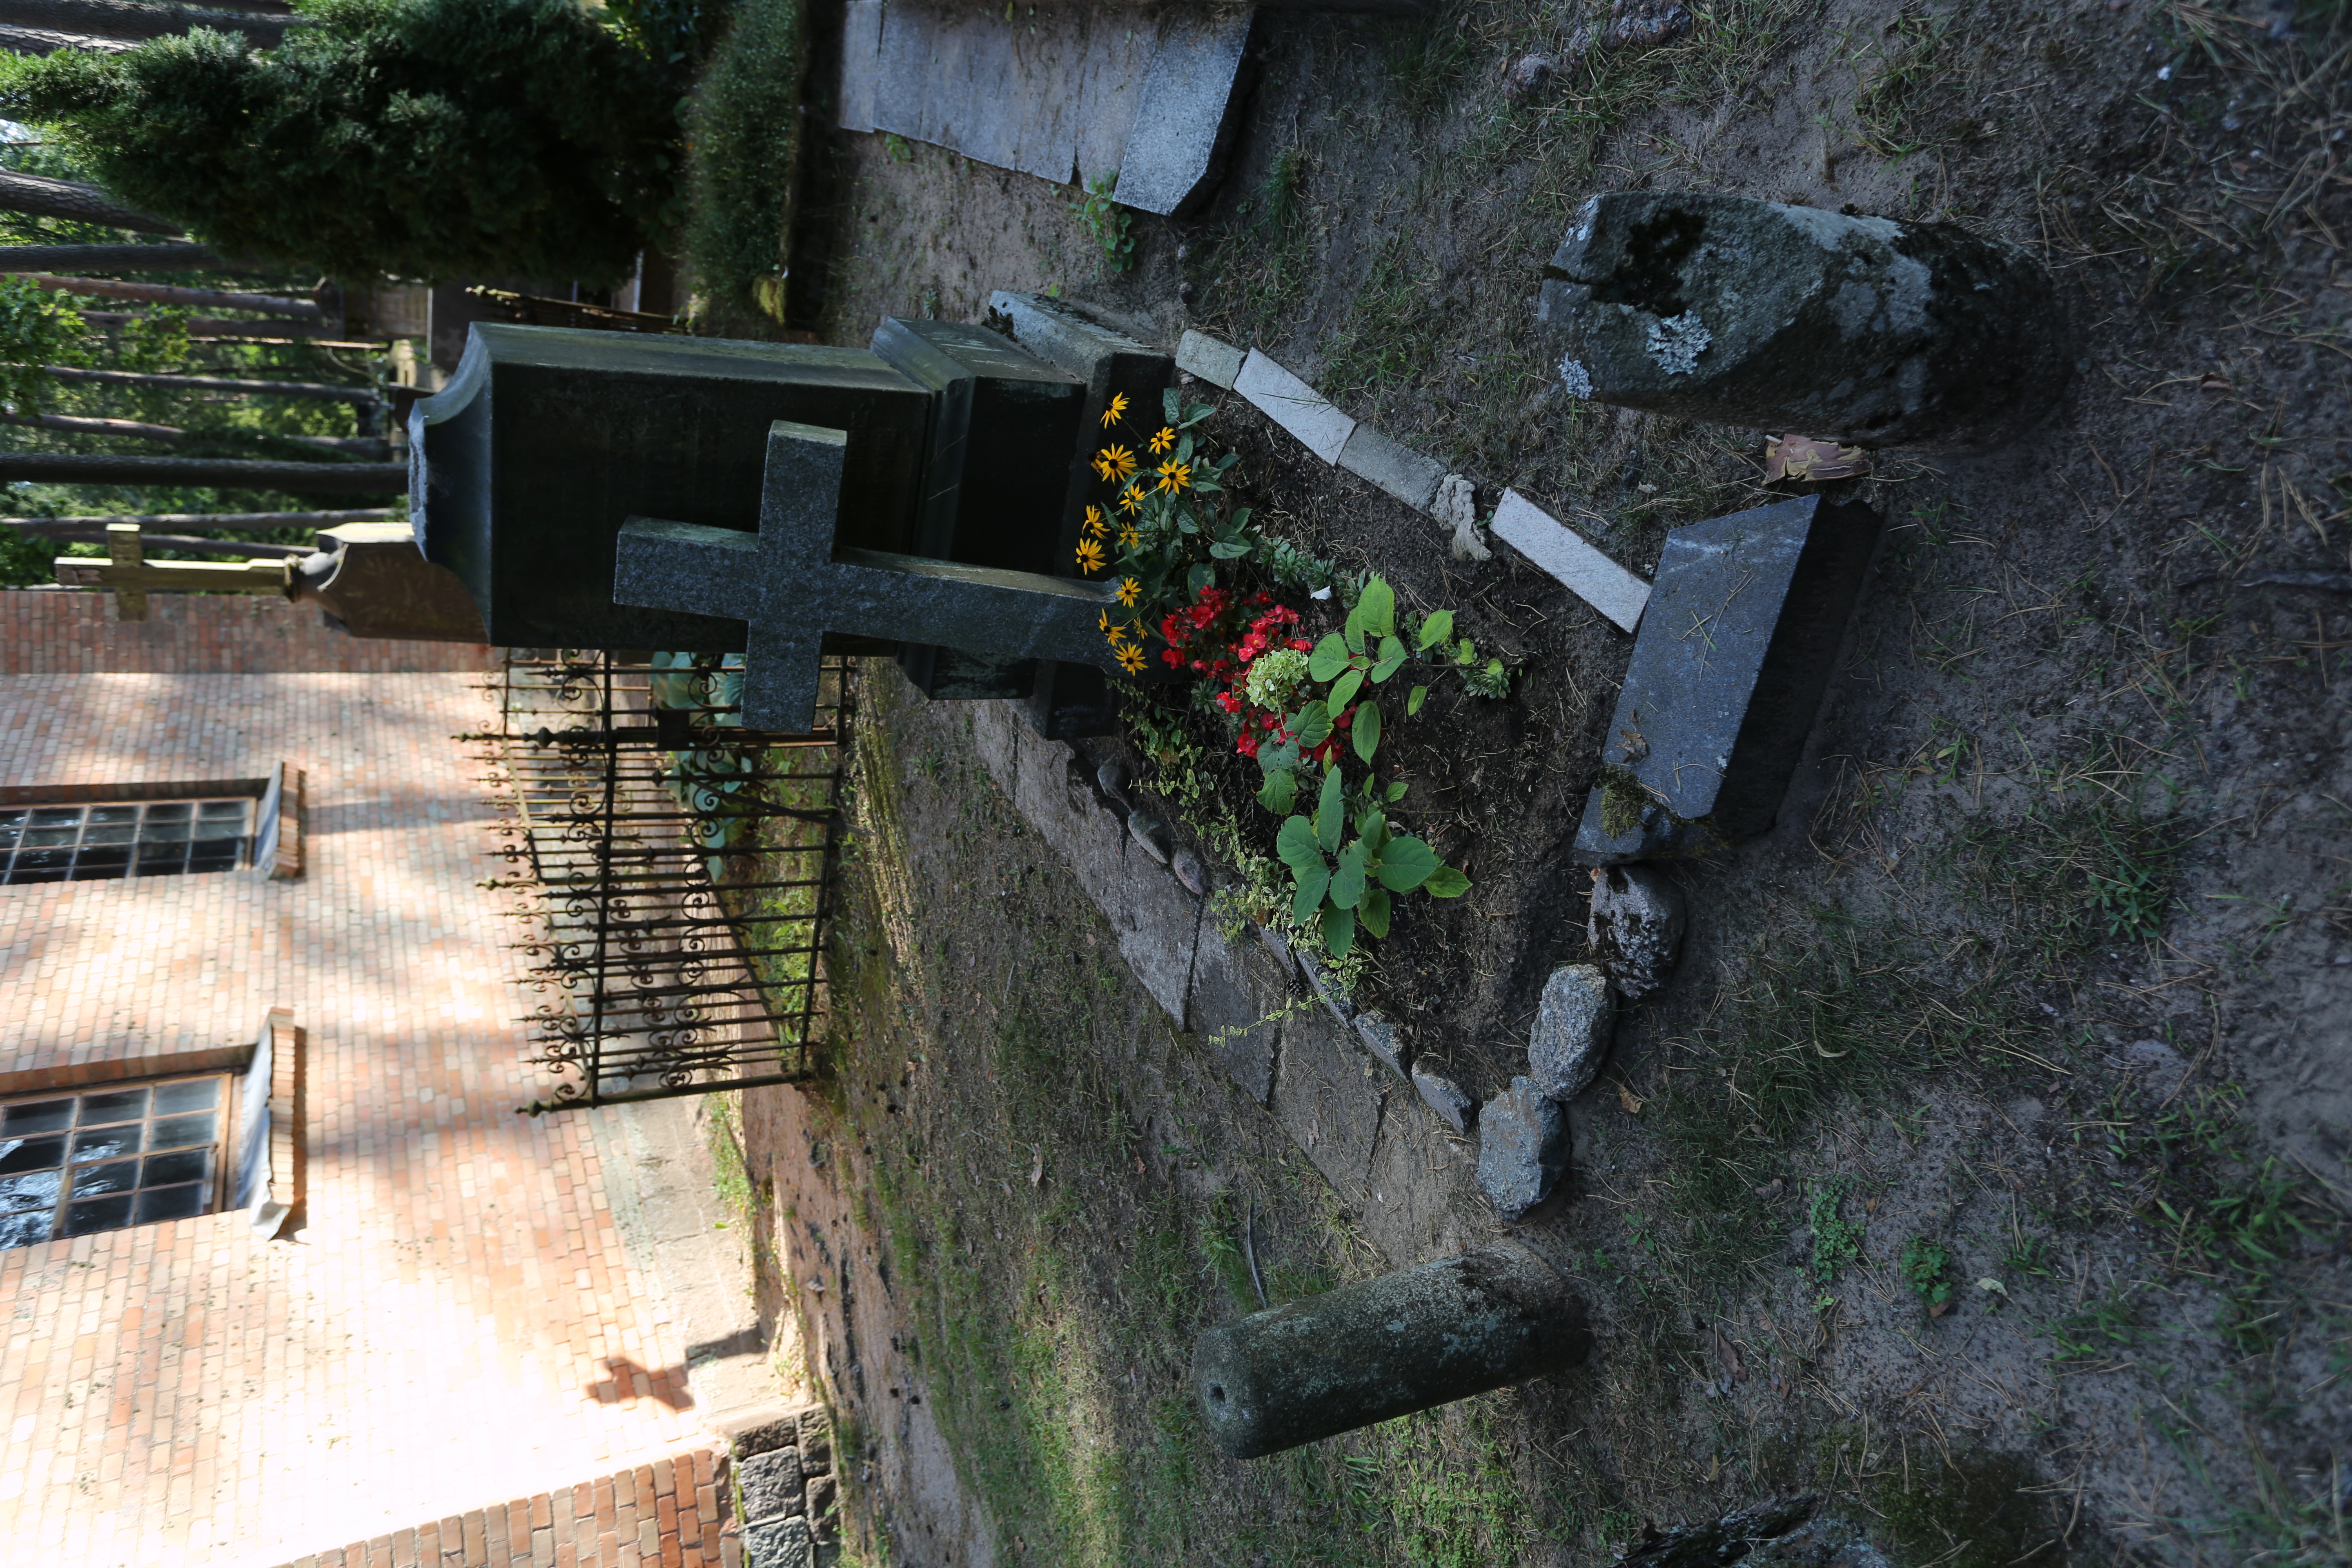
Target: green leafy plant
{"x": 38, "y": 327}
{"x": 1836, "y": 1242}
{"x": 1927, "y": 1269}
{"x": 1107, "y": 222}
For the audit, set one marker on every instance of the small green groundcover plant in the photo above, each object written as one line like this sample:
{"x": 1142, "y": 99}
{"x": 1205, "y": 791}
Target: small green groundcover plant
{"x": 1927, "y": 1269}
{"x": 1310, "y": 712}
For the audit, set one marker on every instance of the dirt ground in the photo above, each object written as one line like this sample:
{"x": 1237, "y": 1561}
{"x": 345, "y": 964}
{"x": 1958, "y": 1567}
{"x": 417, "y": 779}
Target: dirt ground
{"x": 1984, "y": 1166}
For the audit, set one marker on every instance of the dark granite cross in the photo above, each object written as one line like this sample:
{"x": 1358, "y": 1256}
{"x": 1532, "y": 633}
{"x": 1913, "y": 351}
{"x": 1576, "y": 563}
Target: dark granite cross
{"x": 792, "y": 586}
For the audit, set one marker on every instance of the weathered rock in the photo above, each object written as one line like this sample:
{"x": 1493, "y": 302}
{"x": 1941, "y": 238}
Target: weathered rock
{"x": 1150, "y": 834}
{"x": 1643, "y": 24}
{"x": 1528, "y": 75}
{"x": 1111, "y": 779}
{"x": 1384, "y": 1348}
{"x": 1190, "y": 872}
{"x": 779, "y": 1544}
{"x": 1457, "y": 508}
{"x": 1445, "y": 1097}
{"x": 1635, "y": 927}
{"x": 1380, "y": 1038}
{"x": 772, "y": 1484}
{"x": 1725, "y": 1540}
{"x": 1709, "y": 726}
{"x": 1571, "y": 1032}
{"x": 1522, "y": 1148}
{"x": 1787, "y": 318}
{"x": 815, "y": 1441}
{"x": 822, "y": 1498}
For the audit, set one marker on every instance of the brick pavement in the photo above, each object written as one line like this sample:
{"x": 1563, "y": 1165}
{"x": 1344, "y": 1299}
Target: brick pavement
{"x": 457, "y": 1321}
{"x": 57, "y": 631}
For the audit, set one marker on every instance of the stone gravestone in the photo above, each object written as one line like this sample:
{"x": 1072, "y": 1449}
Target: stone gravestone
{"x": 956, "y": 447}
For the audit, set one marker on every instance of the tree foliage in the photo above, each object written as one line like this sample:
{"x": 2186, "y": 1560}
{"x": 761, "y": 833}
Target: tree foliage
{"x": 415, "y": 137}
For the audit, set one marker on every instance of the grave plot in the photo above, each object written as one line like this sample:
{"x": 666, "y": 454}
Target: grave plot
{"x": 1969, "y": 1091}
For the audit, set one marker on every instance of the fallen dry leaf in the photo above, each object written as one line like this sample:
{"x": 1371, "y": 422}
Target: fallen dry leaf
{"x": 1803, "y": 459}
{"x": 2214, "y": 380}
{"x": 1630, "y": 1100}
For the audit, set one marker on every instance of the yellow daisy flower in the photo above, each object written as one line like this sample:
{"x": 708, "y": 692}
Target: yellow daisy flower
{"x": 1102, "y": 624}
{"x": 1129, "y": 590}
{"x": 1129, "y": 539}
{"x": 1130, "y": 659}
{"x": 1117, "y": 462}
{"x": 1117, "y": 411}
{"x": 1096, "y": 526}
{"x": 1130, "y": 500}
{"x": 1175, "y": 475}
{"x": 1091, "y": 555}
{"x": 1164, "y": 440}
{"x": 1103, "y": 470}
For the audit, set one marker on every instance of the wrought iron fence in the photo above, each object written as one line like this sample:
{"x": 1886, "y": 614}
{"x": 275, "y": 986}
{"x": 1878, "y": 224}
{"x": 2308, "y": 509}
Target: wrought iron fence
{"x": 677, "y": 871}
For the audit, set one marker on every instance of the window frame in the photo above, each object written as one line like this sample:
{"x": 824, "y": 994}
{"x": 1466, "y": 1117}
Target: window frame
{"x": 220, "y": 1175}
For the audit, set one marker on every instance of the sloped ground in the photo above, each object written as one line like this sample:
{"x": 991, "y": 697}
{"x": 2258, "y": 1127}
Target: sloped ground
{"x": 2043, "y": 980}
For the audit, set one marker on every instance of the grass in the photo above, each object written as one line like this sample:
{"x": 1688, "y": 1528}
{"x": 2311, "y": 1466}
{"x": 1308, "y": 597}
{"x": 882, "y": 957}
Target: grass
{"x": 743, "y": 164}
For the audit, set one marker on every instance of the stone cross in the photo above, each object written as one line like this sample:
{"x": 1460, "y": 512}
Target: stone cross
{"x": 128, "y": 572}
{"x": 791, "y": 585}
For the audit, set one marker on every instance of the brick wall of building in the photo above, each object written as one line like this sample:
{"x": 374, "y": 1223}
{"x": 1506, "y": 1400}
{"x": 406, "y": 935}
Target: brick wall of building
{"x": 58, "y": 631}
{"x": 457, "y": 1321}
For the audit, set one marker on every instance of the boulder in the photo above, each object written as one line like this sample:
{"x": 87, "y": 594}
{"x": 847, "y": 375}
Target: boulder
{"x": 1635, "y": 928}
{"x": 1571, "y": 1033}
{"x": 1522, "y": 1148}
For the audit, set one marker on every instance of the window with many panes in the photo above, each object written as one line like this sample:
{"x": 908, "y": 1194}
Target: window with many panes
{"x": 129, "y": 839}
{"x": 111, "y": 1156}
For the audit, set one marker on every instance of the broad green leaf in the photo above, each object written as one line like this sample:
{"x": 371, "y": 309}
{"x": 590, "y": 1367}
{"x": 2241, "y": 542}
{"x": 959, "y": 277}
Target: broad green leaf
{"x": 1375, "y": 611}
{"x": 1396, "y": 791}
{"x": 1170, "y": 405}
{"x": 1464, "y": 652}
{"x": 1330, "y": 812}
{"x": 1201, "y": 576}
{"x": 1277, "y": 756}
{"x": 1240, "y": 519}
{"x": 1312, "y": 886}
{"x": 1188, "y": 522}
{"x": 1414, "y": 699}
{"x": 1366, "y": 729}
{"x": 1310, "y": 726}
{"x": 1184, "y": 450}
{"x": 1338, "y": 932}
{"x": 1343, "y": 691}
{"x": 1445, "y": 882}
{"x": 1406, "y": 864}
{"x": 1296, "y": 843}
{"x": 1348, "y": 881}
{"x": 1225, "y": 552}
{"x": 1373, "y": 825}
{"x": 1279, "y": 791}
{"x": 1354, "y": 639}
{"x": 1392, "y": 659}
{"x": 1435, "y": 630}
{"x": 1208, "y": 487}
{"x": 1329, "y": 658}
{"x": 1372, "y": 910}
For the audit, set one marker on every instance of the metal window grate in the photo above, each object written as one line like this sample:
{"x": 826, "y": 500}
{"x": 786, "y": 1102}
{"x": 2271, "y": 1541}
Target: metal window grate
{"x": 144, "y": 838}
{"x": 121, "y": 1155}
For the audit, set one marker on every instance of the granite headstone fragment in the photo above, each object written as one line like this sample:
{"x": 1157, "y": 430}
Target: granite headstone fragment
{"x": 1737, "y": 644}
{"x": 1522, "y": 1148}
{"x": 1787, "y": 318}
{"x": 1571, "y": 1037}
{"x": 1634, "y": 927}
{"x": 772, "y": 1483}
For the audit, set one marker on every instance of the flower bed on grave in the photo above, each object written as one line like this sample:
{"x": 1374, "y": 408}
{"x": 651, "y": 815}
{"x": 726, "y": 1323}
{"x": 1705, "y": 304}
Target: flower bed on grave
{"x": 1290, "y": 674}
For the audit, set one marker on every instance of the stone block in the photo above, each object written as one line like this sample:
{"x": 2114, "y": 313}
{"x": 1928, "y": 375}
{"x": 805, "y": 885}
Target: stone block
{"x": 1797, "y": 319}
{"x": 1213, "y": 360}
{"x": 1403, "y": 472}
{"x": 1235, "y": 993}
{"x": 1562, "y": 552}
{"x": 1381, "y": 1038}
{"x": 1736, "y": 652}
{"x": 1522, "y": 1148}
{"x": 780, "y": 1543}
{"x": 1297, "y": 408}
{"x": 1187, "y": 111}
{"x": 1445, "y": 1097}
{"x": 815, "y": 1440}
{"x": 1572, "y": 1031}
{"x": 861, "y": 62}
{"x": 771, "y": 1484}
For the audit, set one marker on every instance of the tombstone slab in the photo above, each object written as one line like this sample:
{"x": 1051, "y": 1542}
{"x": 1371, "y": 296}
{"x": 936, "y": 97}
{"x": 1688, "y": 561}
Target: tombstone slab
{"x": 1736, "y": 651}
{"x": 1575, "y": 565}
{"x": 1796, "y": 319}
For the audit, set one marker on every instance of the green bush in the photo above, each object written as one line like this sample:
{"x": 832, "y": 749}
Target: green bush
{"x": 417, "y": 138}
{"x": 744, "y": 129}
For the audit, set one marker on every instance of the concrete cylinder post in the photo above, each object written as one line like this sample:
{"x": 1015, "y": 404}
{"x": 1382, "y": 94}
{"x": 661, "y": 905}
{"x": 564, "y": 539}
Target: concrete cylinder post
{"x": 1405, "y": 1341}
{"x": 1799, "y": 321}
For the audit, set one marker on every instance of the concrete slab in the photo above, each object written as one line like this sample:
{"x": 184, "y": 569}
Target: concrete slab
{"x": 1325, "y": 1094}
{"x": 861, "y": 62}
{"x": 1107, "y": 84}
{"x": 1213, "y": 360}
{"x": 1235, "y": 992}
{"x": 1563, "y": 552}
{"x": 1185, "y": 115}
{"x": 1400, "y": 470}
{"x": 1297, "y": 408}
